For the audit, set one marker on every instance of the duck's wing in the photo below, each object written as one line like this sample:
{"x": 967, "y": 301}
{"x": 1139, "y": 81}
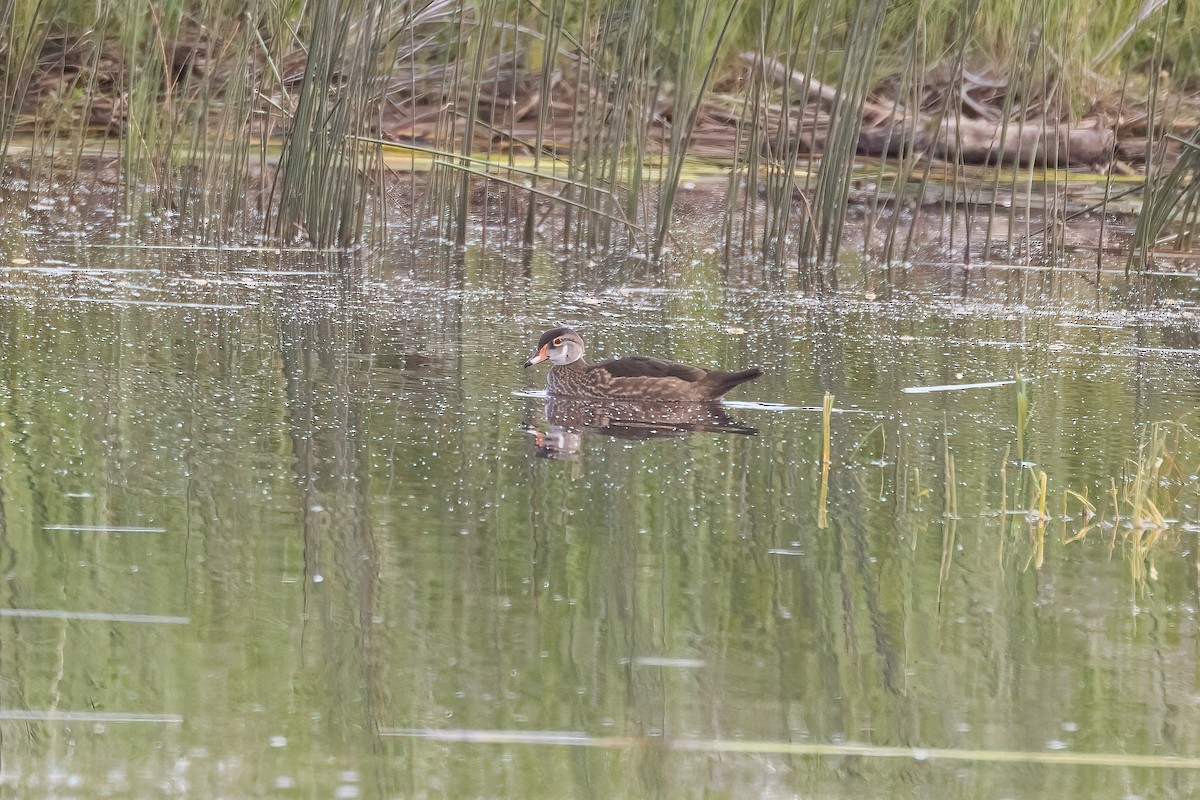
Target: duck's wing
{"x": 646, "y": 367}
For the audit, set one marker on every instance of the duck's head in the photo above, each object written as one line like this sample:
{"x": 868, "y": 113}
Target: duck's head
{"x": 560, "y": 345}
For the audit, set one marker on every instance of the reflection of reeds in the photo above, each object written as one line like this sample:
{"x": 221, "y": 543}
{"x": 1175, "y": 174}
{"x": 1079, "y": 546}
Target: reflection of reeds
{"x": 1142, "y": 500}
{"x": 1037, "y": 519}
{"x": 1142, "y": 493}
{"x": 1021, "y": 396}
{"x": 1138, "y": 509}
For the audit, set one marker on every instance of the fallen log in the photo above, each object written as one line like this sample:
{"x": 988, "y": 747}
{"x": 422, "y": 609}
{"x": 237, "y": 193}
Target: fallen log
{"x": 1038, "y": 142}
{"x": 889, "y": 129}
{"x": 981, "y": 141}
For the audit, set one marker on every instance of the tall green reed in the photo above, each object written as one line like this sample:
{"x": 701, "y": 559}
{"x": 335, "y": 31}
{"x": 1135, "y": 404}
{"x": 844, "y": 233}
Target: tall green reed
{"x": 1169, "y": 194}
{"x": 698, "y": 53}
{"x": 321, "y": 194}
{"x": 837, "y": 161}
{"x": 1172, "y": 198}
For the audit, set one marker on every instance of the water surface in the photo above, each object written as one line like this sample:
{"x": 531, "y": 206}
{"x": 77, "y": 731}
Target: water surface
{"x": 279, "y": 525}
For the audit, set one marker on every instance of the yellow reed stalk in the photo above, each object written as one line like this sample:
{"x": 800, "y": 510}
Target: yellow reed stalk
{"x": 826, "y": 414}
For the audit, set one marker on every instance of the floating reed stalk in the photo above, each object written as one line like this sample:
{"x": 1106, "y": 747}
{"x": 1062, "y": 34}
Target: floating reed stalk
{"x": 1003, "y": 503}
{"x": 950, "y": 501}
{"x": 822, "y": 503}
{"x": 1089, "y": 514}
{"x": 950, "y": 507}
{"x": 918, "y": 494}
{"x": 1143, "y": 487}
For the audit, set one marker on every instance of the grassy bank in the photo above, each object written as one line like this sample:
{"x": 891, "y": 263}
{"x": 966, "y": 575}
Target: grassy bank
{"x": 287, "y": 121}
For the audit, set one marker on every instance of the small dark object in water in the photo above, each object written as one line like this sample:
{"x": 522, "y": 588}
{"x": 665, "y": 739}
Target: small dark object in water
{"x": 631, "y": 378}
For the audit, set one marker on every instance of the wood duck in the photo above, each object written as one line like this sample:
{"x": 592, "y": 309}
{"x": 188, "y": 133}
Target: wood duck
{"x": 630, "y": 378}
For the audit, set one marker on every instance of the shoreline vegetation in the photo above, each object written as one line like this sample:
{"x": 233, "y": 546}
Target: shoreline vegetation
{"x": 291, "y": 122}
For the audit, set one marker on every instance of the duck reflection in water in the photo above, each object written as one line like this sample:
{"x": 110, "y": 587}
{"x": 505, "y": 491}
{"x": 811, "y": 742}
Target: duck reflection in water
{"x": 631, "y": 398}
{"x": 570, "y": 417}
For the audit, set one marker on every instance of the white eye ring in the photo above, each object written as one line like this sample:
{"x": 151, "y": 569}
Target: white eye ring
{"x": 557, "y": 342}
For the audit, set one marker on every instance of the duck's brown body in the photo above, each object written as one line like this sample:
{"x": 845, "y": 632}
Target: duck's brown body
{"x": 633, "y": 378}
{"x": 642, "y": 378}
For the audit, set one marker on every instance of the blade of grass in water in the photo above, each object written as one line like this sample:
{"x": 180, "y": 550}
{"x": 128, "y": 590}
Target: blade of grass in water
{"x": 862, "y": 750}
{"x": 823, "y": 502}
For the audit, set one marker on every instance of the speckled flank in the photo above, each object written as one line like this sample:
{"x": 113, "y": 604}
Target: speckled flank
{"x": 582, "y": 380}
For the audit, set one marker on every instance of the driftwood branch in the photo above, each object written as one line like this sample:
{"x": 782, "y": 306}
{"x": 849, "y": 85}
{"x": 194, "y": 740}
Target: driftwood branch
{"x": 875, "y": 112}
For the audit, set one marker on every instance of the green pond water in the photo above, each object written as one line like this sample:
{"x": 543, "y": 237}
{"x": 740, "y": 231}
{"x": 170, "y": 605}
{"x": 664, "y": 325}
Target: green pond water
{"x": 285, "y": 525}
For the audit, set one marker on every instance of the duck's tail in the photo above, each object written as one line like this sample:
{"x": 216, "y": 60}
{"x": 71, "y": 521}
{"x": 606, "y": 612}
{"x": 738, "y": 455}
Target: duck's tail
{"x": 722, "y": 382}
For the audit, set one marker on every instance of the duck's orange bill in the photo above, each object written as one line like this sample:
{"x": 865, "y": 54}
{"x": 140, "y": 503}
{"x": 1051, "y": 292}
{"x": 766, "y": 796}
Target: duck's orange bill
{"x": 540, "y": 357}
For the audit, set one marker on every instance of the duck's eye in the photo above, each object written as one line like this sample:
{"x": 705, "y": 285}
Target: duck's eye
{"x": 558, "y": 341}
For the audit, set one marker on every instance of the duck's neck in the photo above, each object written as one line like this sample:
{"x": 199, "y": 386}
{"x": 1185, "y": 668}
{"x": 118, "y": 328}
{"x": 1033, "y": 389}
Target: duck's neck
{"x": 578, "y": 364}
